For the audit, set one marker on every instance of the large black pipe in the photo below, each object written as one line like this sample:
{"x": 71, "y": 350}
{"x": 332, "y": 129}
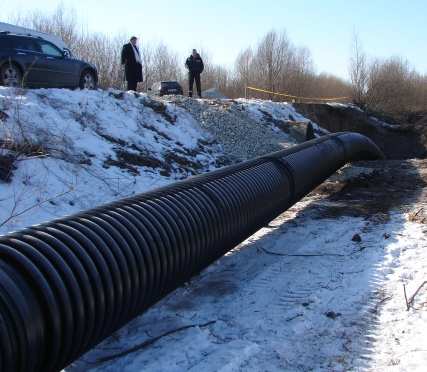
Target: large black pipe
{"x": 67, "y": 284}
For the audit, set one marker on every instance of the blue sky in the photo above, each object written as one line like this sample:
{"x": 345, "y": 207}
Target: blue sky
{"x": 224, "y": 27}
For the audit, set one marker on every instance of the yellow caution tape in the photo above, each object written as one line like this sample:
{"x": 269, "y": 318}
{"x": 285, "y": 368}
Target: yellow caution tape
{"x": 297, "y": 97}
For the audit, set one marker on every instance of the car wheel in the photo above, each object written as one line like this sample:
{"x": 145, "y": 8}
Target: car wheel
{"x": 87, "y": 80}
{"x": 10, "y": 75}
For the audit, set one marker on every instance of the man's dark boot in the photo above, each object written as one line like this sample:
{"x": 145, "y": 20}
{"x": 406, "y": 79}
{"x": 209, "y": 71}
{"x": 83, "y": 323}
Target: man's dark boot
{"x": 190, "y": 94}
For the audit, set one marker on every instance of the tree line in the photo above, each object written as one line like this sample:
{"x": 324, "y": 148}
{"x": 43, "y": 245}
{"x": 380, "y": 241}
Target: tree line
{"x": 389, "y": 86}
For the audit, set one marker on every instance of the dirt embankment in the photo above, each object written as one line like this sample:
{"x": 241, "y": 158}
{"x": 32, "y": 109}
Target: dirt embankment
{"x": 396, "y": 141}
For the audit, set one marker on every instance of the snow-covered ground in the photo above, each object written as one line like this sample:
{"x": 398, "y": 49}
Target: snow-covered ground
{"x": 92, "y": 147}
{"x": 62, "y": 151}
{"x": 319, "y": 288}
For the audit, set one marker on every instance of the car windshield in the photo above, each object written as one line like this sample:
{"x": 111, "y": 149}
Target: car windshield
{"x": 170, "y": 84}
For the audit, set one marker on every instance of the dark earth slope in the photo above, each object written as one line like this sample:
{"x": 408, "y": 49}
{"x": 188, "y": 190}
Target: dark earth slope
{"x": 396, "y": 141}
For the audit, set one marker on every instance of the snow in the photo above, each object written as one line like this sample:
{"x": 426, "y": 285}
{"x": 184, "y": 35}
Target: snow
{"x": 345, "y": 106}
{"x": 300, "y": 294}
{"x": 105, "y": 145}
{"x": 213, "y": 93}
{"x": 400, "y": 337}
{"x": 84, "y": 132}
{"x": 281, "y": 111}
{"x": 382, "y": 124}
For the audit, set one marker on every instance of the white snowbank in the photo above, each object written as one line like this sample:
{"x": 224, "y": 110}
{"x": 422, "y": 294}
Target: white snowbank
{"x": 278, "y": 111}
{"x": 85, "y": 133}
{"x": 99, "y": 146}
{"x": 298, "y": 295}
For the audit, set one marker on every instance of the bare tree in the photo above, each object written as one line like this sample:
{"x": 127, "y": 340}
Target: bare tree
{"x": 62, "y": 22}
{"x": 358, "y": 72}
{"x": 275, "y": 63}
{"x": 326, "y": 85}
{"x": 147, "y": 55}
{"x": 272, "y": 56}
{"x": 159, "y": 63}
{"x": 391, "y": 86}
{"x": 298, "y": 77}
{"x": 165, "y": 63}
{"x": 243, "y": 67}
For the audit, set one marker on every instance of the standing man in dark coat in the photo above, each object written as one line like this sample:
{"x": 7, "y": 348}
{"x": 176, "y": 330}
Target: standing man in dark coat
{"x": 131, "y": 58}
{"x": 195, "y": 66}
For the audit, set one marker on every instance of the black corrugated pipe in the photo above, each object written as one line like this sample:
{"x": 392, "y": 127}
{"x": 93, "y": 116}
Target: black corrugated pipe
{"x": 67, "y": 284}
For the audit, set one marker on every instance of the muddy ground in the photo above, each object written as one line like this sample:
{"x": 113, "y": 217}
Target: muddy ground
{"x": 397, "y": 141}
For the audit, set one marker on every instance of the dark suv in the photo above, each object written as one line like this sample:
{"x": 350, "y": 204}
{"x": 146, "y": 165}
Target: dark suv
{"x": 167, "y": 87}
{"x": 34, "y": 62}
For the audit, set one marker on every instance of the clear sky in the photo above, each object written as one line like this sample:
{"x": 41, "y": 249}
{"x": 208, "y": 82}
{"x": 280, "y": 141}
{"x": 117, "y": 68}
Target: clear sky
{"x": 224, "y": 27}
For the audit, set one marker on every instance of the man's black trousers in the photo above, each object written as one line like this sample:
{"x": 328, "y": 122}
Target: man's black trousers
{"x": 132, "y": 85}
{"x": 191, "y": 77}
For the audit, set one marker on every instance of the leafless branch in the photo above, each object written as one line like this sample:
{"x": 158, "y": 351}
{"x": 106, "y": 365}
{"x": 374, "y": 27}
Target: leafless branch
{"x": 294, "y": 317}
{"x": 15, "y": 214}
{"x": 410, "y": 301}
{"x": 150, "y": 342}
{"x": 406, "y": 298}
{"x": 302, "y": 255}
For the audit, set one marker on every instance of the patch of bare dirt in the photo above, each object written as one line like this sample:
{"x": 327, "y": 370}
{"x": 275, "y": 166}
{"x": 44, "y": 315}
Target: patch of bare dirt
{"x": 115, "y": 140}
{"x": 12, "y": 151}
{"x": 160, "y": 133}
{"x": 130, "y": 161}
{"x": 7, "y": 166}
{"x": 187, "y": 164}
{"x": 3, "y": 116}
{"x": 419, "y": 216}
{"x": 388, "y": 185}
{"x": 160, "y": 108}
{"x": 24, "y": 148}
{"x": 178, "y": 161}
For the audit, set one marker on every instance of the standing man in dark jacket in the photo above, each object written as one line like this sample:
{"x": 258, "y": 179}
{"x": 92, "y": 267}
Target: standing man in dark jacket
{"x": 195, "y": 66}
{"x": 131, "y": 58}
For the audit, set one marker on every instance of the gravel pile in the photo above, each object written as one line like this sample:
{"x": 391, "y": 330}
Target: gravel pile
{"x": 241, "y": 136}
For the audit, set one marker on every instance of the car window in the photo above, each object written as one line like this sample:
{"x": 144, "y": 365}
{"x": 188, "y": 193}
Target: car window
{"x": 25, "y": 44}
{"x": 170, "y": 85}
{"x": 49, "y": 49}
